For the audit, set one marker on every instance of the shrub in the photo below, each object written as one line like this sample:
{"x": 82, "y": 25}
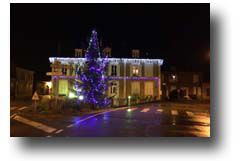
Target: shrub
{"x": 72, "y": 104}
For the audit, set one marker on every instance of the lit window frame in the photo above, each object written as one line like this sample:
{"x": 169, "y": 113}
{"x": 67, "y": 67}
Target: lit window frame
{"x": 135, "y": 70}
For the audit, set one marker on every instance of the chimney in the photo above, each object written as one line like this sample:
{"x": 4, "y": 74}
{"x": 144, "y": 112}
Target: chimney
{"x": 78, "y": 53}
{"x": 107, "y": 51}
{"x": 135, "y": 53}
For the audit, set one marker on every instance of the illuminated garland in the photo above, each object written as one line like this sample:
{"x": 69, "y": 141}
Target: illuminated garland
{"x": 111, "y": 60}
{"x": 134, "y": 78}
{"x": 113, "y": 78}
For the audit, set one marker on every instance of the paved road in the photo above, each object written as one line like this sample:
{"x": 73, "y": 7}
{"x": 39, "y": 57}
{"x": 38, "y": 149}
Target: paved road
{"x": 147, "y": 120}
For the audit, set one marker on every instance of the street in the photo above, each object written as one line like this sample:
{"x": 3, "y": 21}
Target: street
{"x": 151, "y": 120}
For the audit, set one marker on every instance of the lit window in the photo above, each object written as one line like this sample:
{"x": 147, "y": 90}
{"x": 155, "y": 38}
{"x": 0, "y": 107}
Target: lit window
{"x": 135, "y": 71}
{"x": 63, "y": 87}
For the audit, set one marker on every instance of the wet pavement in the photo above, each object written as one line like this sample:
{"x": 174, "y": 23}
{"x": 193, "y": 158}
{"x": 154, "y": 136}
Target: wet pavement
{"x": 151, "y": 120}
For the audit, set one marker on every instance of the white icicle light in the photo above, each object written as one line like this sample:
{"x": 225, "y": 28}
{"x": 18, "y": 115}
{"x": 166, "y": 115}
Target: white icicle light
{"x": 111, "y": 60}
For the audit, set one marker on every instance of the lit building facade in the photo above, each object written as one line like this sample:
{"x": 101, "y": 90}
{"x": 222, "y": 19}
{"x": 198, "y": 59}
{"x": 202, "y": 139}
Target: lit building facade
{"x": 134, "y": 78}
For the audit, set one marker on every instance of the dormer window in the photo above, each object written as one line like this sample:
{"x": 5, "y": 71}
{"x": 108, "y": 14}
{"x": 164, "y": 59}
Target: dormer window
{"x": 107, "y": 51}
{"x": 135, "y": 53}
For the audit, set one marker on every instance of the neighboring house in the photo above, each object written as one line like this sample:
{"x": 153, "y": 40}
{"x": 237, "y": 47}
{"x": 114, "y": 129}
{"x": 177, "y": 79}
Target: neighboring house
{"x": 182, "y": 84}
{"x": 138, "y": 78}
{"x": 21, "y": 84}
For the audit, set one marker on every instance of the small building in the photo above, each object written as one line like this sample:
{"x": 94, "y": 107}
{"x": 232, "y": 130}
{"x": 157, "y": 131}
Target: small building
{"x": 181, "y": 85}
{"x": 135, "y": 78}
{"x": 21, "y": 85}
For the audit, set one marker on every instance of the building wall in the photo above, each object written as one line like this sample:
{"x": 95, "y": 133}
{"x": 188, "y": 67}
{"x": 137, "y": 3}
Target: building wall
{"x": 188, "y": 82}
{"x": 124, "y": 77}
{"x": 22, "y": 84}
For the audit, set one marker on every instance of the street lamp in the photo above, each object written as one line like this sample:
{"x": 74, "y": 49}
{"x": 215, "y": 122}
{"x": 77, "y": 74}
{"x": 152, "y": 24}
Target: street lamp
{"x": 129, "y": 100}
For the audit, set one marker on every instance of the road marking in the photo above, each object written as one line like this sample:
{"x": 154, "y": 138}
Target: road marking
{"x": 37, "y": 125}
{"x": 13, "y": 115}
{"x": 131, "y": 109}
{"x": 22, "y": 108}
{"x": 174, "y": 112}
{"x": 87, "y": 118}
{"x": 71, "y": 125}
{"x": 13, "y": 108}
{"x": 160, "y": 110}
{"x": 145, "y": 110}
{"x": 58, "y": 131}
{"x": 190, "y": 114}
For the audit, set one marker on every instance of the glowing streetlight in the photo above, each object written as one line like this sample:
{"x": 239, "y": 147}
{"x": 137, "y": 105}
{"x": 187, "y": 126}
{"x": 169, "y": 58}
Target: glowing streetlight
{"x": 129, "y": 100}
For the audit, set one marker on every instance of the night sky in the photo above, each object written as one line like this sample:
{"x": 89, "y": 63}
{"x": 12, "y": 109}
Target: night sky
{"x": 177, "y": 33}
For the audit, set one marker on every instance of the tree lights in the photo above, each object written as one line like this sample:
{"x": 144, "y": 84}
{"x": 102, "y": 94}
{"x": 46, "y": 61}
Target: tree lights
{"x": 92, "y": 81}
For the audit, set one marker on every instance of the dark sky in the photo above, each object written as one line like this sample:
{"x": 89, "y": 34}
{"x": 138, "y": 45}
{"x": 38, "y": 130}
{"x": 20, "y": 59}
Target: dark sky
{"x": 177, "y": 33}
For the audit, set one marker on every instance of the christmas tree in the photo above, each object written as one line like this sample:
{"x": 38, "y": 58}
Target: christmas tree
{"x": 93, "y": 76}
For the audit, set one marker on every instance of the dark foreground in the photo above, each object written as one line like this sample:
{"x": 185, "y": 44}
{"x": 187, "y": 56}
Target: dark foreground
{"x": 151, "y": 120}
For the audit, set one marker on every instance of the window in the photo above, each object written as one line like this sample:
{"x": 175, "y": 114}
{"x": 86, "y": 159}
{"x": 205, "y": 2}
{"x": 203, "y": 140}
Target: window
{"x": 114, "y": 70}
{"x": 113, "y": 88}
{"x": 135, "y": 71}
{"x": 148, "y": 90}
{"x": 194, "y": 91}
{"x": 64, "y": 71}
{"x": 71, "y": 71}
{"x": 148, "y": 70}
{"x": 135, "y": 88}
{"x": 195, "y": 78}
{"x": 79, "y": 70}
{"x": 63, "y": 87}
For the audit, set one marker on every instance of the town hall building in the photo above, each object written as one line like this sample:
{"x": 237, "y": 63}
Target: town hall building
{"x": 128, "y": 78}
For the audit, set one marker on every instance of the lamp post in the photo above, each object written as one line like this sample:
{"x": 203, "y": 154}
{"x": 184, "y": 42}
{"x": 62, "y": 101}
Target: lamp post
{"x": 129, "y": 101}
